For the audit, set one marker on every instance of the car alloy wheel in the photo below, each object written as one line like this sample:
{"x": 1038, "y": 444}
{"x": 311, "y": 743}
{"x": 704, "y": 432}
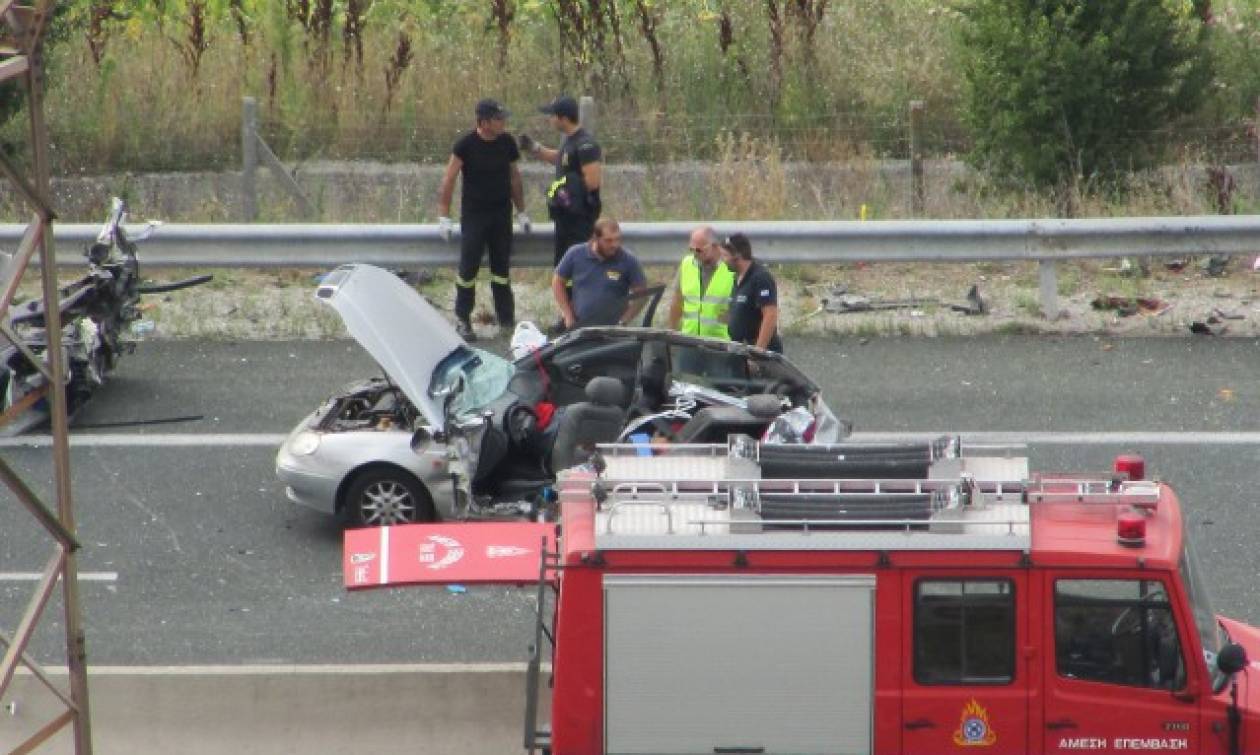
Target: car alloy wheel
{"x": 387, "y": 502}
{"x": 382, "y": 496}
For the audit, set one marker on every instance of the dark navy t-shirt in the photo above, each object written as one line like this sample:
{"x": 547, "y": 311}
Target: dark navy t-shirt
{"x": 600, "y": 287}
{"x": 756, "y": 290}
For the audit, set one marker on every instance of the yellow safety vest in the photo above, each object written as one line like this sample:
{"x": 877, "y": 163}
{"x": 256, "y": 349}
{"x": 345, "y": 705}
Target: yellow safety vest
{"x": 704, "y": 312}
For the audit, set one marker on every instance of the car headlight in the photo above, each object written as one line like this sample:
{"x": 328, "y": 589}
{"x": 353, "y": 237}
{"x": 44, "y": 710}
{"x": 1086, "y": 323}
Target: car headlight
{"x": 304, "y": 443}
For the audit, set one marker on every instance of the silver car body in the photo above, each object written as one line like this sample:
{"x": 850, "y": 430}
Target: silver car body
{"x": 409, "y": 339}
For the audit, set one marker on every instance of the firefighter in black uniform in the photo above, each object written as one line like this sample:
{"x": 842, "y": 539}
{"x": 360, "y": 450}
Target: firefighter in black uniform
{"x": 487, "y": 156}
{"x": 573, "y": 197}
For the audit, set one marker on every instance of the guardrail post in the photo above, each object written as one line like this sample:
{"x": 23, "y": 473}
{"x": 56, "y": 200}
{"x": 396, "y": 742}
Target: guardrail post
{"x": 249, "y": 159}
{"x": 586, "y": 113}
{"x": 1049, "y": 289}
{"x": 918, "y": 191}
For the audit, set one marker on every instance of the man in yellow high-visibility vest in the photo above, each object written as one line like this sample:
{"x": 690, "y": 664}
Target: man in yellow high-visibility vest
{"x": 702, "y": 294}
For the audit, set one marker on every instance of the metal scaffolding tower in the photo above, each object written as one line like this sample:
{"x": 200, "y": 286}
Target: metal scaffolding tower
{"x": 22, "y": 31}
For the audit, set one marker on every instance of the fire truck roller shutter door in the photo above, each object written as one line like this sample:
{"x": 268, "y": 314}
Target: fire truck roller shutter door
{"x": 822, "y": 469}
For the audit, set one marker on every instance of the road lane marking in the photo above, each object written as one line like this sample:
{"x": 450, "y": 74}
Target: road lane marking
{"x": 154, "y": 440}
{"x": 301, "y": 669}
{"x": 1070, "y": 438}
{"x": 84, "y": 576}
{"x": 1050, "y": 438}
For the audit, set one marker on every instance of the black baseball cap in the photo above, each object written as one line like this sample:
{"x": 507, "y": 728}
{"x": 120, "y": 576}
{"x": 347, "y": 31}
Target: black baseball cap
{"x": 491, "y": 110}
{"x": 563, "y": 106}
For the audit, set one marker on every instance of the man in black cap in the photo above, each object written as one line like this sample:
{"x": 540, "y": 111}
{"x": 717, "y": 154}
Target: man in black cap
{"x": 754, "y": 313}
{"x": 573, "y": 197}
{"x": 487, "y": 157}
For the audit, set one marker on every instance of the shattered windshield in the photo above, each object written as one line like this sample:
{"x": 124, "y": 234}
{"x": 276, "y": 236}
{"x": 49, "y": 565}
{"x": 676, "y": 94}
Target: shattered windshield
{"x": 476, "y": 377}
{"x": 1210, "y": 633}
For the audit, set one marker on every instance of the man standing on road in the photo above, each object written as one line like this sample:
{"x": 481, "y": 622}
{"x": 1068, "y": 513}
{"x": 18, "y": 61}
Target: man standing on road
{"x": 602, "y": 276}
{"x": 487, "y": 157}
{"x": 702, "y": 295}
{"x": 755, "y": 301}
{"x": 573, "y": 197}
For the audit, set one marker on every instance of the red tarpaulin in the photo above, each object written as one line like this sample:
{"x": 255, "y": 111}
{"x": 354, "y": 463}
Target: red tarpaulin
{"x": 428, "y": 554}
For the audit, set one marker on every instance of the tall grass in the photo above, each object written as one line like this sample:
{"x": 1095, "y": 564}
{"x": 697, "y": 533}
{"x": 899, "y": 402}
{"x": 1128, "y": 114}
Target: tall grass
{"x": 157, "y": 86}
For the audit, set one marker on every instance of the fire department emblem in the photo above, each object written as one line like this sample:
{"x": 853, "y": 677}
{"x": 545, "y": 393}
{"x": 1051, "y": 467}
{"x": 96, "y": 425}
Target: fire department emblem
{"x": 974, "y": 729}
{"x": 440, "y": 552}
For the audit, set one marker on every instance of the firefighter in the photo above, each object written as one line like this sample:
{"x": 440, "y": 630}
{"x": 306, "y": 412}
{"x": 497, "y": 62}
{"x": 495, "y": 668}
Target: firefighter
{"x": 573, "y": 197}
{"x": 487, "y": 157}
{"x": 754, "y": 317}
{"x": 702, "y": 295}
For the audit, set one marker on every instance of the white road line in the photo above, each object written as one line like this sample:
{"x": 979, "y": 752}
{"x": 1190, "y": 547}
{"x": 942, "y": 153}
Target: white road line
{"x": 155, "y": 440}
{"x": 1148, "y": 438}
{"x": 84, "y": 576}
{"x": 295, "y": 669}
{"x": 1060, "y": 438}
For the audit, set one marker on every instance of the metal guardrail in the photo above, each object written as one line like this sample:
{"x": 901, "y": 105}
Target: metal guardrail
{"x": 1043, "y": 241}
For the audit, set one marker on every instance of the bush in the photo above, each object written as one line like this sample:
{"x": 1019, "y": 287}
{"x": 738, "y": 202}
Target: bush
{"x": 1057, "y": 91}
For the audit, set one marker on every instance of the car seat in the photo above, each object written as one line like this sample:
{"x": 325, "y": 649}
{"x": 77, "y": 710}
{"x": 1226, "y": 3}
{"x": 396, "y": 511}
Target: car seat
{"x": 713, "y": 424}
{"x": 599, "y": 419}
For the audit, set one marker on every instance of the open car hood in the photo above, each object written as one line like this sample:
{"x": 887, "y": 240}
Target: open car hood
{"x": 406, "y": 336}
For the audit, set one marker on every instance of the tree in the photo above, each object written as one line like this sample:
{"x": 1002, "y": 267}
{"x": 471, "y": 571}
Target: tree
{"x": 1058, "y": 90}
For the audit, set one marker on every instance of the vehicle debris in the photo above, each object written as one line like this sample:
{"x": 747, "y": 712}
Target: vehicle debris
{"x": 1127, "y": 306}
{"x": 99, "y": 312}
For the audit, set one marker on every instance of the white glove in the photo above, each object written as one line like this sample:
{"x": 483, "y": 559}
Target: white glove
{"x": 445, "y": 228}
{"x": 523, "y": 219}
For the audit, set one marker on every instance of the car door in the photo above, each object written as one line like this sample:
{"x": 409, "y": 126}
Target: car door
{"x": 572, "y": 365}
{"x": 1117, "y": 678}
{"x": 966, "y": 684}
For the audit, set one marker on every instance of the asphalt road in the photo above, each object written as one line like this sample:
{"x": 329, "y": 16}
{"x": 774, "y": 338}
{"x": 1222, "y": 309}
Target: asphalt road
{"x": 213, "y": 565}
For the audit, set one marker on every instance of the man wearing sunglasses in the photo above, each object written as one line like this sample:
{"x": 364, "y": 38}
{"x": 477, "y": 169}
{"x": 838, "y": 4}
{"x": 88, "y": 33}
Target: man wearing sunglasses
{"x": 702, "y": 293}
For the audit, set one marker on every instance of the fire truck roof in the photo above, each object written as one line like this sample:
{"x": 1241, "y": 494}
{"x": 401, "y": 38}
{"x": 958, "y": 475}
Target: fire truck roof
{"x": 740, "y": 497}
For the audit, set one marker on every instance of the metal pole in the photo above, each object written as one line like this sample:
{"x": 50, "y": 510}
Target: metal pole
{"x": 249, "y": 159}
{"x": 918, "y": 191}
{"x": 586, "y": 113}
{"x": 1049, "y": 289}
{"x": 76, "y": 648}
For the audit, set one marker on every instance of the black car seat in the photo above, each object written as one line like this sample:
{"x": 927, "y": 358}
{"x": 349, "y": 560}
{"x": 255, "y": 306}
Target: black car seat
{"x": 599, "y": 419}
{"x": 713, "y": 424}
{"x": 653, "y": 386}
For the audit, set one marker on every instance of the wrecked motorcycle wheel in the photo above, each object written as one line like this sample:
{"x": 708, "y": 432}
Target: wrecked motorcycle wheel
{"x": 385, "y": 496}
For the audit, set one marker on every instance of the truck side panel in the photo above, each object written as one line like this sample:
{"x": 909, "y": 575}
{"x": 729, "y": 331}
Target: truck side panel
{"x": 738, "y": 663}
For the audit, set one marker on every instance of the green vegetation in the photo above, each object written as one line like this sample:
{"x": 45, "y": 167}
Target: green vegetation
{"x": 151, "y": 85}
{"x": 1062, "y": 90}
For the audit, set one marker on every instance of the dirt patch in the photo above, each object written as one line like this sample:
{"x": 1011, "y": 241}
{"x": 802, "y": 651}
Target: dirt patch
{"x": 279, "y": 304}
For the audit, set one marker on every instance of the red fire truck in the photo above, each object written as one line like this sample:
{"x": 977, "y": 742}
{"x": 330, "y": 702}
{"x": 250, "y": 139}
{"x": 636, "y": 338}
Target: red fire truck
{"x": 887, "y": 598}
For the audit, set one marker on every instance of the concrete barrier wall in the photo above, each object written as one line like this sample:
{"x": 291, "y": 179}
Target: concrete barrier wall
{"x": 438, "y": 709}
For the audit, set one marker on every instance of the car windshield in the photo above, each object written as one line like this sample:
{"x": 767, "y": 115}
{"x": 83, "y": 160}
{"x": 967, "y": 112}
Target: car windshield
{"x": 733, "y": 373}
{"x": 476, "y": 377}
{"x": 1210, "y": 633}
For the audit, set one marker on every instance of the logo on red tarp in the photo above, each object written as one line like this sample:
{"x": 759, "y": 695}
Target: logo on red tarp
{"x": 477, "y": 553}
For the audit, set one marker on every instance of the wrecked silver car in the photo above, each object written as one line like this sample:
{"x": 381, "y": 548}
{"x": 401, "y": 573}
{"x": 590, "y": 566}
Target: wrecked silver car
{"x": 489, "y": 434}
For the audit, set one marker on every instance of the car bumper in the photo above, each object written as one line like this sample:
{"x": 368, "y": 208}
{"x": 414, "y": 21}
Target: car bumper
{"x": 304, "y": 485}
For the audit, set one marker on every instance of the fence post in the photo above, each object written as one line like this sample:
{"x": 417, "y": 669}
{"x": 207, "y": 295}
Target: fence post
{"x": 1255, "y": 127}
{"x": 1049, "y": 275}
{"x": 586, "y": 113}
{"x": 917, "y": 189}
{"x": 249, "y": 159}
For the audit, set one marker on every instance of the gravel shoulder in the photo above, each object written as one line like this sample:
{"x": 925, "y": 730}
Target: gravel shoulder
{"x": 279, "y": 304}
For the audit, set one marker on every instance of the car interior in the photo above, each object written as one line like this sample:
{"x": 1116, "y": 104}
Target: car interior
{"x": 601, "y": 383}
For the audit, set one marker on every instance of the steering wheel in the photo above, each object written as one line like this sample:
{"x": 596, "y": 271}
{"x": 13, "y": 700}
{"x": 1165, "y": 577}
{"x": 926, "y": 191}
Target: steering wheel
{"x": 780, "y": 388}
{"x": 520, "y": 422}
{"x": 1127, "y": 622}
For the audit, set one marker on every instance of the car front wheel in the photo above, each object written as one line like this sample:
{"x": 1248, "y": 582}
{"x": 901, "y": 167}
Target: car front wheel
{"x": 383, "y": 496}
